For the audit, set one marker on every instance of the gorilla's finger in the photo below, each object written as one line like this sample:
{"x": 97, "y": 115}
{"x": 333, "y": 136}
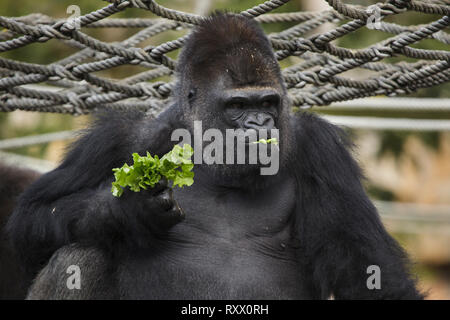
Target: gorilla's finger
{"x": 172, "y": 216}
{"x": 162, "y": 183}
{"x": 158, "y": 187}
{"x": 165, "y": 199}
{"x": 179, "y": 210}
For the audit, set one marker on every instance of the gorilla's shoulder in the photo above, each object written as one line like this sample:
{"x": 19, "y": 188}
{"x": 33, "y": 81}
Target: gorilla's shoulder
{"x": 89, "y": 263}
{"x": 311, "y": 126}
{"x": 323, "y": 148}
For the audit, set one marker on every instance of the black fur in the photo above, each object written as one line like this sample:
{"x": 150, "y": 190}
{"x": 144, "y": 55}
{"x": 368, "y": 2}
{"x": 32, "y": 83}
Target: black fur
{"x": 13, "y": 180}
{"x": 308, "y": 232}
{"x": 94, "y": 264}
{"x": 338, "y": 225}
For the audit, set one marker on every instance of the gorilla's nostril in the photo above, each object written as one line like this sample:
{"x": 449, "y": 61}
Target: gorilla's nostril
{"x": 259, "y": 121}
{"x": 268, "y": 121}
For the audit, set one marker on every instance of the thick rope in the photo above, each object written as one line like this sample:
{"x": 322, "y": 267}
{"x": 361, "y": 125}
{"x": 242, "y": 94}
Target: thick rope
{"x": 316, "y": 79}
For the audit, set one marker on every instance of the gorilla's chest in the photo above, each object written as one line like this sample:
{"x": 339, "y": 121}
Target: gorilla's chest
{"x": 231, "y": 246}
{"x": 235, "y": 213}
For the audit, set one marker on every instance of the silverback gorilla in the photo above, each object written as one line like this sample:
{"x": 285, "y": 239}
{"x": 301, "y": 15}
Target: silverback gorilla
{"x": 307, "y": 232}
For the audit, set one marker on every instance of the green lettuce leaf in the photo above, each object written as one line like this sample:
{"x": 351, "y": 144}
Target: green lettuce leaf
{"x": 268, "y": 141}
{"x": 175, "y": 166}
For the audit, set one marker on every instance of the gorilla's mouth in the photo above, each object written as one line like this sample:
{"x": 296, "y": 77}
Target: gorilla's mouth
{"x": 251, "y": 136}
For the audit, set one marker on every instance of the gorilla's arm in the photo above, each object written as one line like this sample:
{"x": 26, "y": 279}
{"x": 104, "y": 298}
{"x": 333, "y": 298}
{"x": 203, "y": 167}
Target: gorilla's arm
{"x": 73, "y": 203}
{"x": 338, "y": 225}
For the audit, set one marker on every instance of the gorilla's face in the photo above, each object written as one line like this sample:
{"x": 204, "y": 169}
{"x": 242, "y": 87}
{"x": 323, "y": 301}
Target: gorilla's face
{"x": 223, "y": 105}
{"x": 250, "y": 108}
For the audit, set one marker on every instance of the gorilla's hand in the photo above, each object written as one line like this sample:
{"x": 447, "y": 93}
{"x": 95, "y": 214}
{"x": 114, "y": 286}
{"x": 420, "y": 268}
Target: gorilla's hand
{"x": 160, "y": 204}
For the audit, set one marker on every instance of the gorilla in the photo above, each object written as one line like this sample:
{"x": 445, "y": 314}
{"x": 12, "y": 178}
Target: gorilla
{"x": 307, "y": 232}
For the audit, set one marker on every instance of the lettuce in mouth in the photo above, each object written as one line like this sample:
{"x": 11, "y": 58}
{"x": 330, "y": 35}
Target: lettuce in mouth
{"x": 268, "y": 141}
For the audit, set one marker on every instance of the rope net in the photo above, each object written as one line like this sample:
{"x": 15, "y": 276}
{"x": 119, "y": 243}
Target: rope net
{"x": 313, "y": 80}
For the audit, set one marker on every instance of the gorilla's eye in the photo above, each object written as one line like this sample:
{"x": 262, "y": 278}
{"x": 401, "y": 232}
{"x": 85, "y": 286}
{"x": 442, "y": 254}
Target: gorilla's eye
{"x": 236, "y": 105}
{"x": 271, "y": 100}
{"x": 266, "y": 104}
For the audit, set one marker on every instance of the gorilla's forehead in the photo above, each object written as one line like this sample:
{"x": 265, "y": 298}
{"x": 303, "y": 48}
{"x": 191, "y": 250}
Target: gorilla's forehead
{"x": 228, "y": 82}
{"x": 248, "y": 78}
{"x": 239, "y": 70}
{"x": 249, "y": 67}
